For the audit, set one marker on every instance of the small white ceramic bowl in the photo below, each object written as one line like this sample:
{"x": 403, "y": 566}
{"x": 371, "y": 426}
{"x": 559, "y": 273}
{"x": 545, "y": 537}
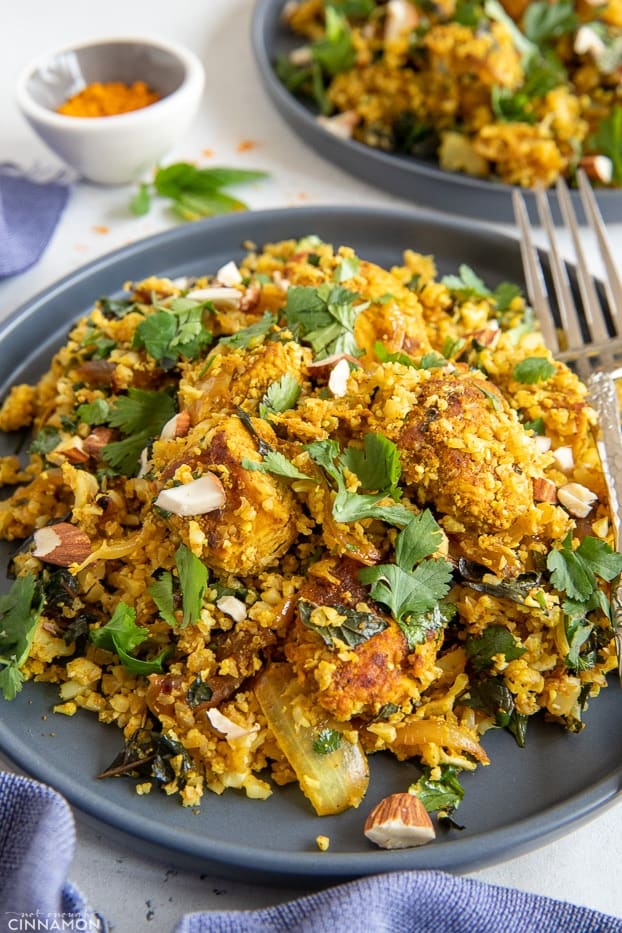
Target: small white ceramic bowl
{"x": 119, "y": 149}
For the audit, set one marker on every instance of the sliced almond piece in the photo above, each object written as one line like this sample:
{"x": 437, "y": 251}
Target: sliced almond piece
{"x": 229, "y": 274}
{"x": 229, "y": 728}
{"x": 399, "y": 822}
{"x": 338, "y": 379}
{"x": 177, "y": 426}
{"x": 301, "y": 56}
{"x": 564, "y": 458}
{"x": 61, "y": 544}
{"x": 95, "y": 442}
{"x": 577, "y": 499}
{"x": 544, "y": 490}
{"x": 233, "y": 607}
{"x": 401, "y": 18}
{"x": 341, "y": 125}
{"x": 588, "y": 42}
{"x": 597, "y": 167}
{"x": 202, "y": 495}
{"x": 543, "y": 443}
{"x": 219, "y": 295}
{"x": 320, "y": 370}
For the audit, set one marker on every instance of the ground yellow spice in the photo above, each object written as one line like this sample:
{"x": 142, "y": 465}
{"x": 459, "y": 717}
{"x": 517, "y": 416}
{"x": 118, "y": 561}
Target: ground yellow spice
{"x": 108, "y": 99}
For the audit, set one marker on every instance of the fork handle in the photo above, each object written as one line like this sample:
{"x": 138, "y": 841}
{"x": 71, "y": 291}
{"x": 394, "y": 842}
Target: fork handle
{"x": 604, "y": 398}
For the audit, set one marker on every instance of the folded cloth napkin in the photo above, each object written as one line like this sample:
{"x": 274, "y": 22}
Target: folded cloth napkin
{"x": 37, "y": 840}
{"x": 29, "y": 211}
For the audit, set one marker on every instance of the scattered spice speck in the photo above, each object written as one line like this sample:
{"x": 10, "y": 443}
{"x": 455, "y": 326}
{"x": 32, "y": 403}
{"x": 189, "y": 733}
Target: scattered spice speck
{"x": 246, "y": 144}
{"x": 208, "y": 153}
{"x": 100, "y": 228}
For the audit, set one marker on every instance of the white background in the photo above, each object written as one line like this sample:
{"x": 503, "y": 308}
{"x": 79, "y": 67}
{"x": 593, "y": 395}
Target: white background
{"x": 133, "y": 893}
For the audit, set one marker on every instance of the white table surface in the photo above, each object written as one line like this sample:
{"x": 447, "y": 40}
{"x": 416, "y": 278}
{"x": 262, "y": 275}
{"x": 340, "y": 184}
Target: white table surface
{"x": 136, "y": 894}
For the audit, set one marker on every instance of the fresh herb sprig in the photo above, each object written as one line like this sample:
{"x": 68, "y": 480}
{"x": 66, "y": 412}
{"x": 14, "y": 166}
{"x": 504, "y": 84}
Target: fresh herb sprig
{"x": 20, "y": 609}
{"x": 195, "y": 192}
{"x": 122, "y": 636}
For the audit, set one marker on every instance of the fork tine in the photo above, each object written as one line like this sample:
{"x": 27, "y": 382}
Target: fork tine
{"x": 591, "y": 303}
{"x": 613, "y": 283}
{"x": 563, "y": 293}
{"x": 534, "y": 279}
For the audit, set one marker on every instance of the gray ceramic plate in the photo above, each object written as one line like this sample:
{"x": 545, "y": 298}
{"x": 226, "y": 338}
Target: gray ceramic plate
{"x": 421, "y": 182}
{"x": 524, "y": 798}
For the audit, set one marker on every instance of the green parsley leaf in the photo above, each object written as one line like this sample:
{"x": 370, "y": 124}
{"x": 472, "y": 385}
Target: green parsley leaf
{"x": 280, "y": 396}
{"x": 20, "y": 609}
{"x": 533, "y": 369}
{"x": 121, "y": 635}
{"x": 494, "y": 640}
{"x": 327, "y": 741}
{"x": 354, "y": 628}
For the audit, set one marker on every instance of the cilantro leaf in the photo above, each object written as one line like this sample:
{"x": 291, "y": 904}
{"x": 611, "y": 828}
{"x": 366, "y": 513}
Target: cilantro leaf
{"x": 335, "y": 51}
{"x": 494, "y": 640}
{"x": 354, "y": 628}
{"x": 20, "y": 609}
{"x": 607, "y": 140}
{"x": 168, "y": 334}
{"x": 95, "y": 412}
{"x": 141, "y": 414}
{"x": 45, "y": 440}
{"x": 280, "y": 395}
{"x": 277, "y": 463}
{"x": 327, "y": 741}
{"x": 251, "y": 336}
{"x": 193, "y": 577}
{"x": 346, "y": 269}
{"x": 421, "y": 537}
{"x": 533, "y": 369}
{"x": 574, "y": 571}
{"x": 121, "y": 635}
{"x": 466, "y": 285}
{"x": 325, "y": 317}
{"x": 377, "y": 465}
{"x": 544, "y": 21}
{"x": 420, "y": 628}
{"x": 407, "y": 594}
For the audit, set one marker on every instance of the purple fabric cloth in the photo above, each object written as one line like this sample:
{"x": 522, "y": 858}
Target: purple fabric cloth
{"x": 29, "y": 212}
{"x": 37, "y": 839}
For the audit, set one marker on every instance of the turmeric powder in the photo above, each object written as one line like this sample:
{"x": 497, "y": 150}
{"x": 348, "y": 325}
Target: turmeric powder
{"x": 108, "y": 99}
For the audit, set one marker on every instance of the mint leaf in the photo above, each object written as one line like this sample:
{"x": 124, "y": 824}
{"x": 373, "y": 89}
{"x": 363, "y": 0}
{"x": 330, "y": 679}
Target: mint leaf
{"x": 494, "y": 640}
{"x": 141, "y": 202}
{"x": 444, "y": 793}
{"x": 327, "y": 741}
{"x": 354, "y": 627}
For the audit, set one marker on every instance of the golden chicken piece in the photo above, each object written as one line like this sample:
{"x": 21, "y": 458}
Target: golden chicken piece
{"x": 240, "y": 377}
{"x": 463, "y": 449}
{"x": 354, "y": 681}
{"x": 259, "y": 518}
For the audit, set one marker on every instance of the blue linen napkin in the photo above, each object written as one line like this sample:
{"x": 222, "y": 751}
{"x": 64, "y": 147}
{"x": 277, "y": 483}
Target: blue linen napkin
{"x": 30, "y": 208}
{"x": 37, "y": 839}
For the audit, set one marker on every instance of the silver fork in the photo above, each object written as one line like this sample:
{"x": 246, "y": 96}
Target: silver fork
{"x": 594, "y": 349}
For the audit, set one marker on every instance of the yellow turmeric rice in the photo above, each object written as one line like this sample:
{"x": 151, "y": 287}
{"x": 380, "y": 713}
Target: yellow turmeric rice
{"x": 303, "y": 510}
{"x": 516, "y": 92}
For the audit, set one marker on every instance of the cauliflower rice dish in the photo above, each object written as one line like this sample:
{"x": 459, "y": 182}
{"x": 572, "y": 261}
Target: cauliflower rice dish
{"x": 301, "y": 511}
{"x": 516, "y": 92}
